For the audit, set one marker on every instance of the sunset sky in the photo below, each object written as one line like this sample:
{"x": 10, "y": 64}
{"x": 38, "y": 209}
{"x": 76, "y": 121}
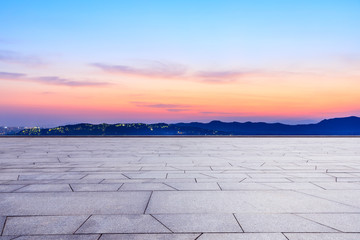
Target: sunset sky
{"x": 65, "y": 62}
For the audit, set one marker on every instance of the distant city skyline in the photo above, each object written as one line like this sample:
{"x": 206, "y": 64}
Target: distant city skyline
{"x": 65, "y": 62}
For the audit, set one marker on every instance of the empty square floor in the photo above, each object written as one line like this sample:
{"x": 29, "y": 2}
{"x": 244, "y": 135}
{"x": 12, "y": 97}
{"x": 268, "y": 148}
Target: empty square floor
{"x": 184, "y": 188}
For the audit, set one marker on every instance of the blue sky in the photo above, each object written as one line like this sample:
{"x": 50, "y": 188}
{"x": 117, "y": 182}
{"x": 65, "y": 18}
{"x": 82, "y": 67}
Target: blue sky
{"x": 64, "y": 39}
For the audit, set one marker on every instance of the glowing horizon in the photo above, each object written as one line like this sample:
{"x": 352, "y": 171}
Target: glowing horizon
{"x": 178, "y": 61}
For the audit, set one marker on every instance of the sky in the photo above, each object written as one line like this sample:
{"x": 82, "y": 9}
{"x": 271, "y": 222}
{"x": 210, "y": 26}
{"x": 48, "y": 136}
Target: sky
{"x": 65, "y": 62}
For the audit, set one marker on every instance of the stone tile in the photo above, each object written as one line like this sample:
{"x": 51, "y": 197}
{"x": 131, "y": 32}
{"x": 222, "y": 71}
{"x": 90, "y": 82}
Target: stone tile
{"x": 242, "y": 236}
{"x": 181, "y": 186}
{"x": 7, "y": 237}
{"x": 187, "y": 175}
{"x": 343, "y": 222}
{"x": 244, "y": 186}
{"x": 142, "y": 175}
{"x": 9, "y": 188}
{"x": 278, "y": 223}
{"x": 199, "y": 222}
{"x": 78, "y": 203}
{"x": 145, "y": 187}
{"x": 43, "y": 225}
{"x": 293, "y": 186}
{"x": 46, "y": 188}
{"x": 339, "y": 186}
{"x": 228, "y": 175}
{"x": 149, "y": 236}
{"x": 323, "y": 236}
{"x": 40, "y": 176}
{"x": 267, "y": 180}
{"x": 2, "y": 221}
{"x": 8, "y": 176}
{"x": 60, "y": 237}
{"x": 349, "y": 197}
{"x": 109, "y": 175}
{"x": 95, "y": 187}
{"x": 276, "y": 176}
{"x": 122, "y": 224}
{"x": 240, "y": 201}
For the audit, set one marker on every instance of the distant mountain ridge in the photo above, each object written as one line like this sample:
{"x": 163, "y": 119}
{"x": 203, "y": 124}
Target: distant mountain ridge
{"x": 335, "y": 126}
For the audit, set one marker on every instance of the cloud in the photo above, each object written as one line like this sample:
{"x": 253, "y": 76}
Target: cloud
{"x": 177, "y": 110}
{"x": 9, "y": 76}
{"x": 156, "y": 69}
{"x": 180, "y": 72}
{"x": 53, "y": 80}
{"x": 50, "y": 80}
{"x": 223, "y": 77}
{"x": 159, "y": 105}
{"x": 17, "y": 58}
{"x": 214, "y": 113}
{"x": 218, "y": 81}
{"x": 167, "y": 107}
{"x": 222, "y": 74}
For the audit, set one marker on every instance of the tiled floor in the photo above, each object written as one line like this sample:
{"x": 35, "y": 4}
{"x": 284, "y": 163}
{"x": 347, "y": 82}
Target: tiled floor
{"x": 180, "y": 188}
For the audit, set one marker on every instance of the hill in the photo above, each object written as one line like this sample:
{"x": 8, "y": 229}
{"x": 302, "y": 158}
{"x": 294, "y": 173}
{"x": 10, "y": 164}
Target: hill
{"x": 335, "y": 126}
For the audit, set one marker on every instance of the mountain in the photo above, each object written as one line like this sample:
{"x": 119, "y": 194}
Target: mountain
{"x": 335, "y": 126}
{"x": 121, "y": 129}
{"x": 10, "y": 130}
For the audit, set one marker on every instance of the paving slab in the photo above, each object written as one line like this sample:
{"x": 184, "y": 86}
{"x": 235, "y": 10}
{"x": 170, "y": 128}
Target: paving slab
{"x": 45, "y": 188}
{"x": 95, "y": 187}
{"x": 60, "y": 237}
{"x": 122, "y": 224}
{"x": 184, "y": 186}
{"x": 149, "y": 236}
{"x": 340, "y": 221}
{"x": 43, "y": 225}
{"x": 10, "y": 187}
{"x": 145, "y": 187}
{"x": 242, "y": 236}
{"x": 323, "y": 236}
{"x": 199, "y": 222}
{"x": 7, "y": 237}
{"x": 349, "y": 197}
{"x": 73, "y": 203}
{"x": 2, "y": 221}
{"x": 241, "y": 201}
{"x": 244, "y": 186}
{"x": 279, "y": 223}
{"x": 304, "y": 188}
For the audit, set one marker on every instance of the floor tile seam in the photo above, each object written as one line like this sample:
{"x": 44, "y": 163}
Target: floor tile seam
{"x": 3, "y": 227}
{"x": 82, "y": 224}
{"x": 15, "y": 191}
{"x": 318, "y": 222}
{"x": 161, "y": 223}
{"x": 121, "y": 185}
{"x": 166, "y": 184}
{"x": 285, "y": 235}
{"x": 238, "y": 222}
{"x": 148, "y": 202}
{"x": 318, "y": 185}
{"x": 299, "y": 191}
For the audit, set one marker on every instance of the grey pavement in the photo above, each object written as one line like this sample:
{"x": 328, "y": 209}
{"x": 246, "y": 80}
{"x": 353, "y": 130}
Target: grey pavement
{"x": 180, "y": 188}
